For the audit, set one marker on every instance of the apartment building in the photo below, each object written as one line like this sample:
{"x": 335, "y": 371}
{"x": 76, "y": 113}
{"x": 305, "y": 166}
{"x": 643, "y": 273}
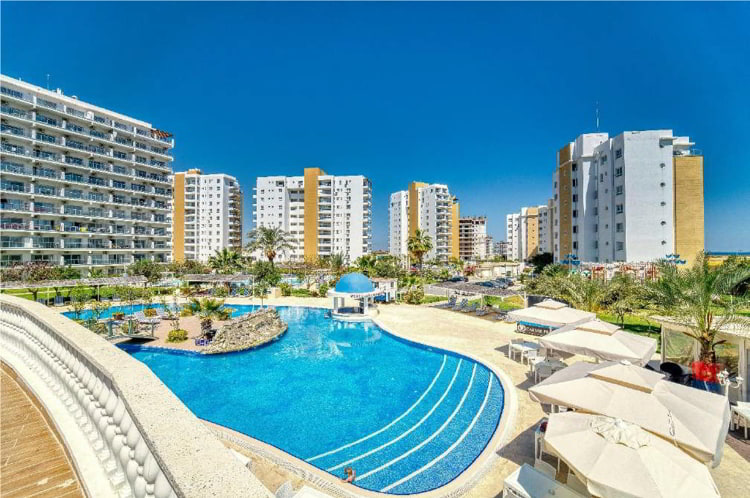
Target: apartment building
{"x": 529, "y": 232}
{"x": 501, "y": 248}
{"x": 81, "y": 185}
{"x": 430, "y": 208}
{"x": 473, "y": 239}
{"x": 324, "y": 214}
{"x": 634, "y": 197}
{"x": 207, "y": 215}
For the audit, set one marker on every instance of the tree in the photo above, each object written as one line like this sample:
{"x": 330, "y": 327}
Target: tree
{"x": 146, "y": 268}
{"x": 208, "y": 309}
{"x": 699, "y": 299}
{"x": 624, "y": 296}
{"x": 541, "y": 260}
{"x": 270, "y": 241}
{"x": 265, "y": 273}
{"x": 419, "y": 244}
{"x": 128, "y": 294}
{"x": 336, "y": 264}
{"x": 225, "y": 262}
{"x": 366, "y": 264}
{"x": 389, "y": 267}
{"x": 79, "y": 295}
{"x": 96, "y": 273}
{"x": 187, "y": 267}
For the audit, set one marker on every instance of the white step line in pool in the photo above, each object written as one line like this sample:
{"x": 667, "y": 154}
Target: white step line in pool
{"x": 429, "y": 388}
{"x": 432, "y": 436}
{"x": 413, "y": 428}
{"x": 450, "y": 449}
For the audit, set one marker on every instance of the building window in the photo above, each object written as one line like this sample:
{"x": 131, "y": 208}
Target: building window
{"x": 575, "y": 182}
{"x": 575, "y": 245}
{"x": 575, "y": 197}
{"x": 619, "y": 246}
{"x": 575, "y": 229}
{"x": 618, "y": 190}
{"x": 618, "y": 209}
{"x": 575, "y": 213}
{"x": 619, "y": 227}
{"x": 618, "y": 171}
{"x": 574, "y": 167}
{"x": 618, "y": 153}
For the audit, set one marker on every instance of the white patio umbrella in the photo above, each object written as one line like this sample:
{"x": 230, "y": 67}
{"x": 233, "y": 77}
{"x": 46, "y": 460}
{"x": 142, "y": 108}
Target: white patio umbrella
{"x": 550, "y": 313}
{"x": 601, "y": 340}
{"x": 617, "y": 459}
{"x": 697, "y": 421}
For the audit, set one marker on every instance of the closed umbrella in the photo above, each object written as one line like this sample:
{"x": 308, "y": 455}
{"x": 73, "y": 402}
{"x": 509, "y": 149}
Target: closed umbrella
{"x": 618, "y": 459}
{"x": 697, "y": 421}
{"x": 601, "y": 340}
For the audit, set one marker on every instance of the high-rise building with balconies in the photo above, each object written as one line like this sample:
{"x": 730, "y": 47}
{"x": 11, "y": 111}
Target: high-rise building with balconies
{"x": 473, "y": 240}
{"x": 430, "y": 208}
{"x": 529, "y": 232}
{"x": 207, "y": 215}
{"x": 81, "y": 185}
{"x": 323, "y": 214}
{"x": 635, "y": 197}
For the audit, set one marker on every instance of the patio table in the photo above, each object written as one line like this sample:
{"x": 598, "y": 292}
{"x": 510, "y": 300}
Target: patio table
{"x": 521, "y": 348}
{"x": 741, "y": 415}
{"x": 552, "y": 364}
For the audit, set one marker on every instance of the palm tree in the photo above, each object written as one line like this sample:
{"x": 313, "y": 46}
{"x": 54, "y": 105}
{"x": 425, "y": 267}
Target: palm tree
{"x": 366, "y": 264}
{"x": 699, "y": 299}
{"x": 225, "y": 261}
{"x": 419, "y": 244}
{"x": 336, "y": 264}
{"x": 270, "y": 241}
{"x": 208, "y": 309}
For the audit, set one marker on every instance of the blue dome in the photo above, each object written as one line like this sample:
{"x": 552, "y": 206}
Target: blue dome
{"x": 354, "y": 283}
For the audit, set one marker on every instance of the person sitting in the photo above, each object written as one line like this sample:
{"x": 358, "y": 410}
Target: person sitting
{"x": 350, "y": 474}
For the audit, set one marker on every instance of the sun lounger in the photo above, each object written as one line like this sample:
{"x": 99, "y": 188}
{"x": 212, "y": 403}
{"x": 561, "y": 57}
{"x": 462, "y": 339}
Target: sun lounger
{"x": 461, "y": 305}
{"x": 142, "y": 318}
{"x": 449, "y": 304}
{"x": 482, "y": 311}
{"x": 58, "y": 300}
{"x": 470, "y": 309}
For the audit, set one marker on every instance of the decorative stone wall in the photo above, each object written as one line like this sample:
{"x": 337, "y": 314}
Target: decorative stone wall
{"x": 249, "y": 331}
{"x": 146, "y": 442}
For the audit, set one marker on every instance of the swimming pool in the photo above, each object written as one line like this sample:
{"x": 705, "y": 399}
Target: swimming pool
{"x": 124, "y": 308}
{"x": 407, "y": 418}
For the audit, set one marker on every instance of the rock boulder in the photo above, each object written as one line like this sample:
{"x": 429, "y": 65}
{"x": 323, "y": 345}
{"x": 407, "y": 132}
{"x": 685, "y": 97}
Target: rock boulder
{"x": 248, "y": 331}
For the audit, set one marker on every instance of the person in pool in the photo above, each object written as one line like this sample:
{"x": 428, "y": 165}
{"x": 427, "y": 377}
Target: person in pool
{"x": 350, "y": 474}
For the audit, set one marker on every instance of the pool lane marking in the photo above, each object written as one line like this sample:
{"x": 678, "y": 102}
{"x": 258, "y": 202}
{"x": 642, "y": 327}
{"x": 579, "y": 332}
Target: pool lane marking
{"x": 385, "y": 445}
{"x": 429, "y": 388}
{"x": 432, "y": 436}
{"x": 450, "y": 449}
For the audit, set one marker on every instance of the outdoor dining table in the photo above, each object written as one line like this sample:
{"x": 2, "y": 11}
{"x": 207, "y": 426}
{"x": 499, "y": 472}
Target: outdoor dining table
{"x": 553, "y": 364}
{"x": 521, "y": 348}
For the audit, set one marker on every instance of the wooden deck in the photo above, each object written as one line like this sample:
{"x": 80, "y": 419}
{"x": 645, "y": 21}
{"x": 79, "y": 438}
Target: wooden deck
{"x": 33, "y": 462}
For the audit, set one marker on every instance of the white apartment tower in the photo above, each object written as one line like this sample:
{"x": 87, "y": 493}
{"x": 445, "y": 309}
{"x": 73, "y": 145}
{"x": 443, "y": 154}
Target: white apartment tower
{"x": 529, "y": 232}
{"x": 635, "y": 197}
{"x": 81, "y": 185}
{"x": 430, "y": 208}
{"x": 324, "y": 214}
{"x": 473, "y": 240}
{"x": 207, "y": 215}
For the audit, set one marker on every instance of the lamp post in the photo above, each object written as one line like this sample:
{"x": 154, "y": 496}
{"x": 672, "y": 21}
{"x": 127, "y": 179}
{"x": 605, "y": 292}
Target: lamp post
{"x": 726, "y": 382}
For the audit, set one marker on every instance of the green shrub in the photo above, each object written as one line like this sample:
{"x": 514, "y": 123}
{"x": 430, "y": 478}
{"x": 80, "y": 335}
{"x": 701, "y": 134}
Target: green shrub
{"x": 415, "y": 295}
{"x": 323, "y": 290}
{"x": 177, "y": 335}
{"x": 186, "y": 311}
{"x": 286, "y": 289}
{"x": 149, "y": 312}
{"x": 300, "y": 293}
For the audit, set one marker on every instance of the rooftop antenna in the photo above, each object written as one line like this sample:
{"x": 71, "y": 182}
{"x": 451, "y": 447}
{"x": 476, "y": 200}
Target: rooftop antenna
{"x": 47, "y": 81}
{"x": 597, "y": 116}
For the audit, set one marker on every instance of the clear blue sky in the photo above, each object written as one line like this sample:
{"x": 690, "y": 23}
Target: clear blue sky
{"x": 478, "y": 96}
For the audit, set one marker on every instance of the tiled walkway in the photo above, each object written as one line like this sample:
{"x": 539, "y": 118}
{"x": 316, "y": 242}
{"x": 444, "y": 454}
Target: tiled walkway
{"x": 33, "y": 462}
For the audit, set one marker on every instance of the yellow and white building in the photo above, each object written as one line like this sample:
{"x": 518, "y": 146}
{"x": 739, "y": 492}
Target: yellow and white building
{"x": 430, "y": 208}
{"x": 529, "y": 232}
{"x": 207, "y": 215}
{"x": 324, "y": 214}
{"x": 635, "y": 197}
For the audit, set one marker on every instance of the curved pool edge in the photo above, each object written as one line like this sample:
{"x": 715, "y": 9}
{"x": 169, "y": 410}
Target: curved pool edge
{"x": 460, "y": 485}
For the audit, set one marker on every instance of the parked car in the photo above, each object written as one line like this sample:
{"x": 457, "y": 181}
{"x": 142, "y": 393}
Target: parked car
{"x": 457, "y": 278}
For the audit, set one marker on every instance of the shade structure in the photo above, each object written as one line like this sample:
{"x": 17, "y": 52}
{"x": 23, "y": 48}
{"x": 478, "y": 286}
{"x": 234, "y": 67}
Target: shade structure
{"x": 551, "y": 313}
{"x": 354, "y": 283}
{"x": 601, "y": 340}
{"x": 697, "y": 421}
{"x": 617, "y": 459}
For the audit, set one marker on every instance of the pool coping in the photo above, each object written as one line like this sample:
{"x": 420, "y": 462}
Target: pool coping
{"x": 460, "y": 485}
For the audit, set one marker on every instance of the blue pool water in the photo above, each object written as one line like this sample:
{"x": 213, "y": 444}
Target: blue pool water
{"x": 407, "y": 418}
{"x": 124, "y": 308}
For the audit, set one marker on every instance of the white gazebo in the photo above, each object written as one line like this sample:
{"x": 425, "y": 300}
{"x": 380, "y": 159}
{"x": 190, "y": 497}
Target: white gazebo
{"x": 357, "y": 287}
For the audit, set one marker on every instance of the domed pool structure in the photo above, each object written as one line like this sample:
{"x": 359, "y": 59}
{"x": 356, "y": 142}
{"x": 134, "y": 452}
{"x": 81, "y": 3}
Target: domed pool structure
{"x": 358, "y": 287}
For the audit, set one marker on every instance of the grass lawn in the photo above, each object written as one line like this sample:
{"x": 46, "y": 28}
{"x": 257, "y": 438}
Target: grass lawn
{"x": 508, "y": 304}
{"x": 637, "y": 325}
{"x": 433, "y": 299}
